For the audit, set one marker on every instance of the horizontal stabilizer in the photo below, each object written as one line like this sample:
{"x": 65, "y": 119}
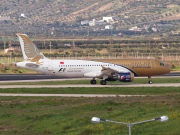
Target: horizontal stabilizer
{"x": 31, "y": 64}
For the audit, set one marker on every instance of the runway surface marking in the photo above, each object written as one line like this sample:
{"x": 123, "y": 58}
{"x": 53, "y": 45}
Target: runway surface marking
{"x": 89, "y": 85}
{"x": 67, "y": 95}
{"x": 85, "y": 86}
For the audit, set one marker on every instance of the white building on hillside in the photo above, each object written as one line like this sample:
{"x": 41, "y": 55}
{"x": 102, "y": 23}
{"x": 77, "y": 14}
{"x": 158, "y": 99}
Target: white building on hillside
{"x": 5, "y": 18}
{"x": 110, "y": 19}
{"x": 135, "y": 29}
{"x": 108, "y": 27}
{"x": 86, "y": 22}
{"x": 94, "y": 22}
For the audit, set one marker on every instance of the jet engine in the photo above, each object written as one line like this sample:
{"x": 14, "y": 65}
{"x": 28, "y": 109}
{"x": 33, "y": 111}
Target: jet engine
{"x": 123, "y": 77}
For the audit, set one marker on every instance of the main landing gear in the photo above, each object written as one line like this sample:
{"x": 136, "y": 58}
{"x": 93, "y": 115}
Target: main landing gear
{"x": 102, "y": 82}
{"x": 93, "y": 81}
{"x": 149, "y": 80}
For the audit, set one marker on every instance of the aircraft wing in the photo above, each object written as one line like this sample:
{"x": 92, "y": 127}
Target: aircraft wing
{"x": 110, "y": 71}
{"x": 105, "y": 71}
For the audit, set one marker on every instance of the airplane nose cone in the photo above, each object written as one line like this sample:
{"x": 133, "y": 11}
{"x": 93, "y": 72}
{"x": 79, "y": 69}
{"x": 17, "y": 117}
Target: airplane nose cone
{"x": 167, "y": 70}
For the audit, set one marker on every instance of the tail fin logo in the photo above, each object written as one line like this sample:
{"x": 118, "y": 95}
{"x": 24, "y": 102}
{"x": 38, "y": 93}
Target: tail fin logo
{"x": 29, "y": 50}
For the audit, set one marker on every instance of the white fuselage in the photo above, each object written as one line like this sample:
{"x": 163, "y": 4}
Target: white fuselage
{"x": 71, "y": 68}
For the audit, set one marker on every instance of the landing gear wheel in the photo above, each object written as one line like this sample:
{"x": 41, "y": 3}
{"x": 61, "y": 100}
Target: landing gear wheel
{"x": 103, "y": 82}
{"x": 93, "y": 81}
{"x": 150, "y": 82}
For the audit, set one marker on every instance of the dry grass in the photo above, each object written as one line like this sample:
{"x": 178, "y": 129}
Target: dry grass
{"x": 84, "y": 10}
{"x": 173, "y": 17}
{"x": 60, "y": 115}
{"x": 105, "y": 7}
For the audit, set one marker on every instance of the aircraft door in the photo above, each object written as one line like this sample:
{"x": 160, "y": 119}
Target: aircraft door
{"x": 50, "y": 66}
{"x": 153, "y": 65}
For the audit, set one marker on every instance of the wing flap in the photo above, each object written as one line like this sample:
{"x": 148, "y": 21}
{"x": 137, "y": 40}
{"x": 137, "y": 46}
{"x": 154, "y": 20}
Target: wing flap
{"x": 105, "y": 71}
{"x": 93, "y": 74}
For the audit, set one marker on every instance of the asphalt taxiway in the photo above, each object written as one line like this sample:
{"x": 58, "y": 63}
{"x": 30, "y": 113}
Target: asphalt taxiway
{"x": 39, "y": 77}
{"x": 92, "y": 86}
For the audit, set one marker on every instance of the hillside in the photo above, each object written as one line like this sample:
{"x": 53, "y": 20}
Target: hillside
{"x": 45, "y": 14}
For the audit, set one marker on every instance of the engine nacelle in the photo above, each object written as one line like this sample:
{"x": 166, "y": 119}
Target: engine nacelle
{"x": 126, "y": 77}
{"x": 123, "y": 77}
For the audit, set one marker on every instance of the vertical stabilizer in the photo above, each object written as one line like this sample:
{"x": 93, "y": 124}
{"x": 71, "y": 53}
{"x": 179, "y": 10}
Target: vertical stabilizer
{"x": 29, "y": 50}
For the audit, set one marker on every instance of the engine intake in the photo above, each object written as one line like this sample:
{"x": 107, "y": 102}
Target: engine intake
{"x": 123, "y": 77}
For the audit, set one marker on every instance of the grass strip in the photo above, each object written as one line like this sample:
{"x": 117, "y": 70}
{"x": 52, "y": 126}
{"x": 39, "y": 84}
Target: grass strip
{"x": 71, "y": 116}
{"x": 112, "y": 90}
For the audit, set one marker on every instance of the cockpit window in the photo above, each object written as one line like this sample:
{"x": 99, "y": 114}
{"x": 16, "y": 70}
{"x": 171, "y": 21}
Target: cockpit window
{"x": 162, "y": 64}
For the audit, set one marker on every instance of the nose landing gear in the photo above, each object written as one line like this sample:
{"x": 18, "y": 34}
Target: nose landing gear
{"x": 149, "y": 80}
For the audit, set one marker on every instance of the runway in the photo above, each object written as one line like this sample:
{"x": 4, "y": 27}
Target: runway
{"x": 13, "y": 77}
{"x": 40, "y": 77}
{"x": 92, "y": 86}
{"x": 35, "y": 78}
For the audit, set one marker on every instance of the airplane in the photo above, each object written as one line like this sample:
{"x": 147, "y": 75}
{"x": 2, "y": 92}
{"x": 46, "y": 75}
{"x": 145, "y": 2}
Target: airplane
{"x": 122, "y": 70}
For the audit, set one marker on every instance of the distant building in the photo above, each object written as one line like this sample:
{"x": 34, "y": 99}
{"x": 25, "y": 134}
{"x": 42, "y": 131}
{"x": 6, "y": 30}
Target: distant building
{"x": 154, "y": 29}
{"x": 10, "y": 49}
{"x": 135, "y": 29}
{"x": 104, "y": 21}
{"x": 5, "y": 18}
{"x": 120, "y": 34}
{"x": 67, "y": 45}
{"x": 23, "y": 15}
{"x": 94, "y": 22}
{"x": 156, "y": 38}
{"x": 86, "y": 22}
{"x": 108, "y": 27}
{"x": 110, "y": 19}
